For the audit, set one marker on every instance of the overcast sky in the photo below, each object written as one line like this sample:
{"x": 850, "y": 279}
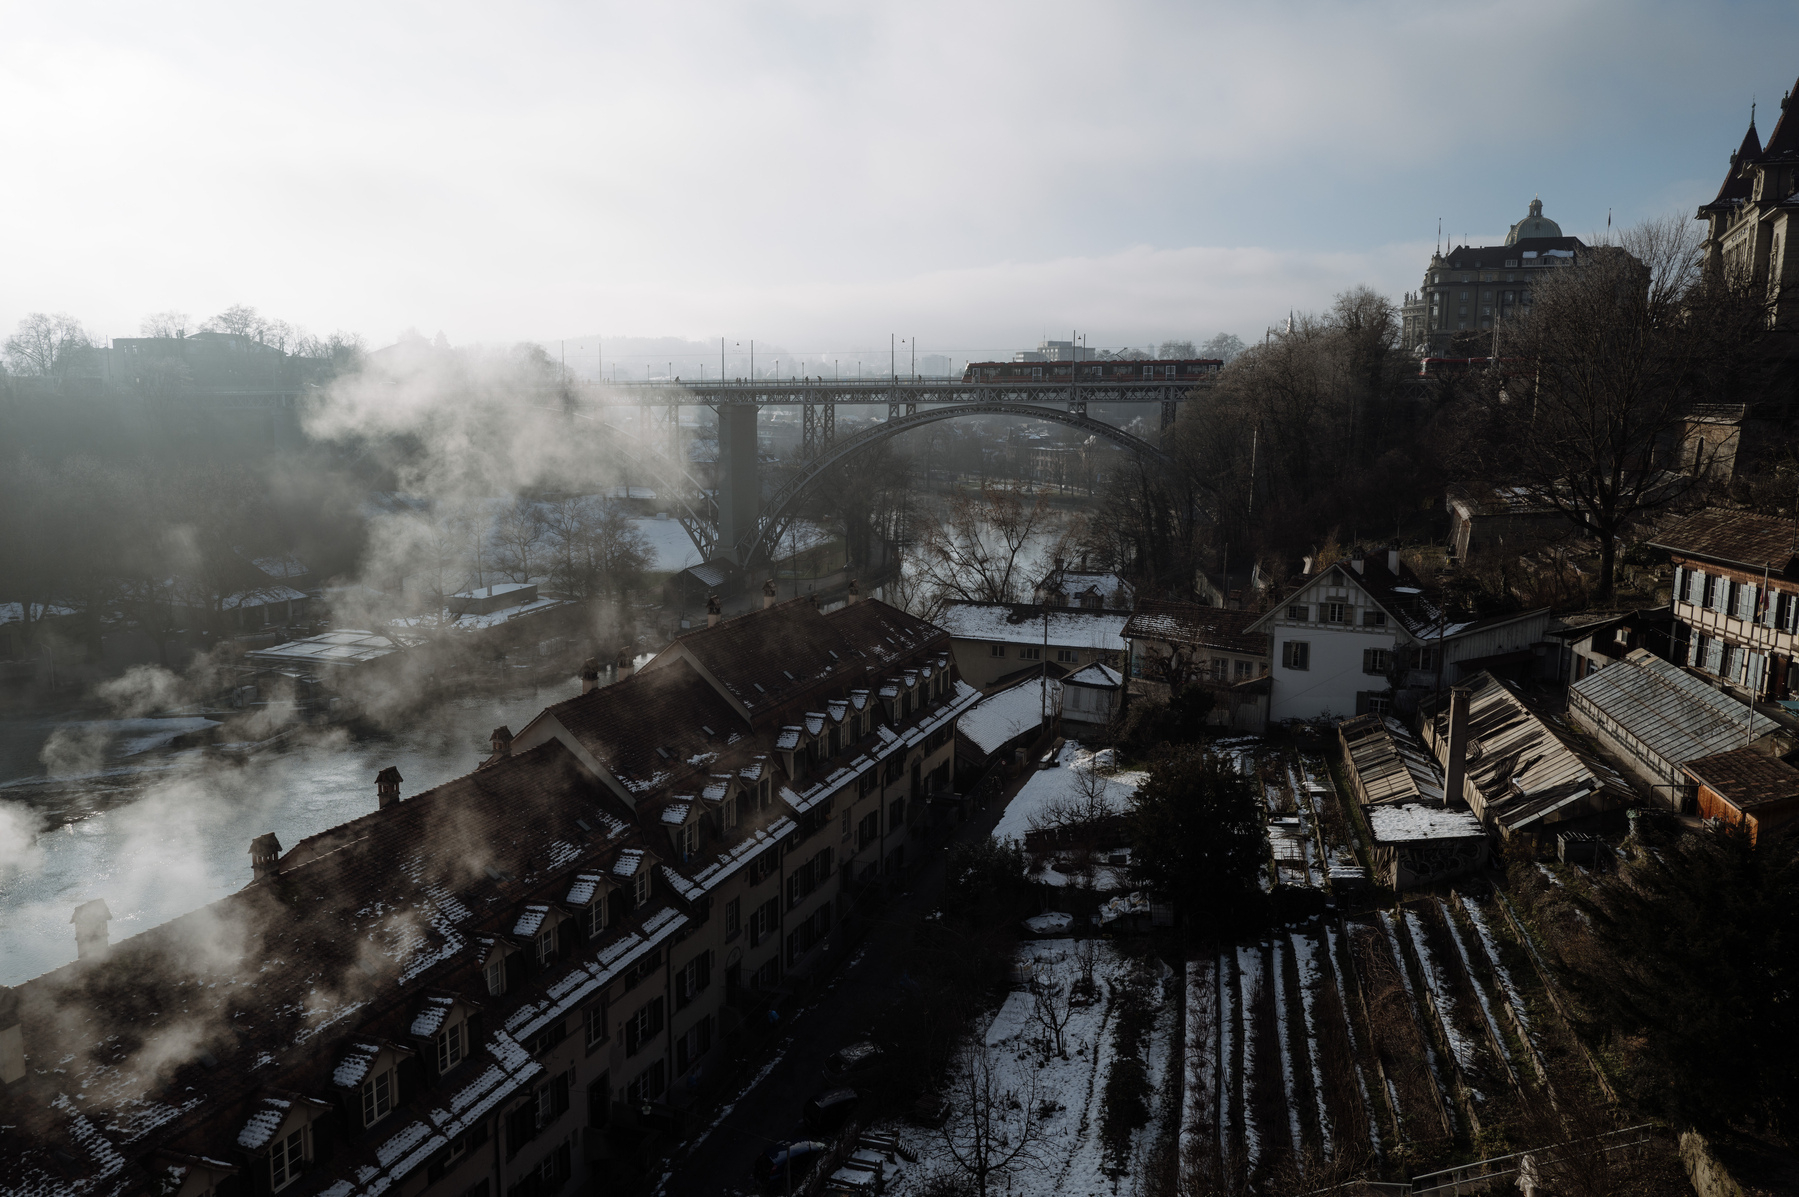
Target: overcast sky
{"x": 821, "y": 175}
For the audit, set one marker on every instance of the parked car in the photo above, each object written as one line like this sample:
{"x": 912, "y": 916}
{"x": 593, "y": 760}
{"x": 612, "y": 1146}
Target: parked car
{"x": 783, "y": 1163}
{"x": 857, "y": 1060}
{"x": 828, "y": 1111}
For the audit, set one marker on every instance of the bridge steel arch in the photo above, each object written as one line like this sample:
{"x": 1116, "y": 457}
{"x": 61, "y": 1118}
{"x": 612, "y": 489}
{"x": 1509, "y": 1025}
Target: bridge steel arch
{"x": 777, "y": 512}
{"x": 672, "y": 483}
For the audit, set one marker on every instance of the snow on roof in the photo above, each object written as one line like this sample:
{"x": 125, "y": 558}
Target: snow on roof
{"x": 260, "y": 597}
{"x": 788, "y": 739}
{"x": 715, "y": 790}
{"x": 263, "y": 1124}
{"x": 530, "y": 919}
{"x": 581, "y": 892}
{"x": 346, "y": 646}
{"x": 430, "y": 1018}
{"x": 353, "y": 1067}
{"x": 1012, "y": 712}
{"x": 1410, "y": 821}
{"x": 815, "y": 722}
{"x": 627, "y": 863}
{"x": 1070, "y": 628}
{"x": 801, "y": 804}
{"x": 676, "y": 812}
{"x": 1101, "y": 676}
{"x": 1049, "y": 788}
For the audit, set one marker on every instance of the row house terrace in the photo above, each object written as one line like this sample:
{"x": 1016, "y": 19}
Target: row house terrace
{"x": 501, "y": 985}
{"x": 1736, "y": 599}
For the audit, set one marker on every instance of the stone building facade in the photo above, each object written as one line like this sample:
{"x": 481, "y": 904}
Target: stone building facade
{"x": 1470, "y": 288}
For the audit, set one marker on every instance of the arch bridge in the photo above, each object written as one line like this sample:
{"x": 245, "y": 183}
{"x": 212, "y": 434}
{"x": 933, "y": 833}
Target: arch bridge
{"x": 736, "y": 524}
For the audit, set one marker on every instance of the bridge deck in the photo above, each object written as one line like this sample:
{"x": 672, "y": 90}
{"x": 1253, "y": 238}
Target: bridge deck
{"x": 797, "y": 391}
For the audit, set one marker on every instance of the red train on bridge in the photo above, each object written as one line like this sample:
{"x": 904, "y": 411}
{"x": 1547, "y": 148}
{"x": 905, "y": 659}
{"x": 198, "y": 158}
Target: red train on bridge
{"x": 1112, "y": 370}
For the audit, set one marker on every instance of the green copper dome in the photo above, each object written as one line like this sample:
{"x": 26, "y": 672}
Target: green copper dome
{"x": 1534, "y": 225}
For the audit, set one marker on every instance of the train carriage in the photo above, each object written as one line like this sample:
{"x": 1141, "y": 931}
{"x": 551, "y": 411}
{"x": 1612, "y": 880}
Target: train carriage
{"x": 1112, "y": 370}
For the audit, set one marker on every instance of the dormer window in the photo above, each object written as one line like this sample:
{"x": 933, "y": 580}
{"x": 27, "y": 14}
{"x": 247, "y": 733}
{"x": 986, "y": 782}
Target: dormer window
{"x": 495, "y": 975}
{"x": 727, "y": 813}
{"x": 543, "y": 946}
{"x": 450, "y": 1045}
{"x": 687, "y": 840}
{"x": 640, "y": 886}
{"x": 289, "y": 1157}
{"x": 593, "y": 916}
{"x": 377, "y": 1096}
{"x": 835, "y": 741}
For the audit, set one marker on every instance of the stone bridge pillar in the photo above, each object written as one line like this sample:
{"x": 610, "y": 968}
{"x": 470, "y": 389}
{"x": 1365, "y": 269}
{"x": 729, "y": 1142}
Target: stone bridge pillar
{"x": 739, "y": 486}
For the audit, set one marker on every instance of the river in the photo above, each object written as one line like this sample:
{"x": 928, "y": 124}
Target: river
{"x": 159, "y": 832}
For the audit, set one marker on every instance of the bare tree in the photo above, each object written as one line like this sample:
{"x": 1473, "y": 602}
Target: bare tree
{"x": 994, "y": 1132}
{"x": 518, "y": 536}
{"x": 594, "y": 546}
{"x": 1224, "y": 345}
{"x": 1052, "y": 1005}
{"x": 46, "y": 345}
{"x": 163, "y": 324}
{"x": 979, "y": 552}
{"x": 1176, "y": 349}
{"x": 1593, "y": 385}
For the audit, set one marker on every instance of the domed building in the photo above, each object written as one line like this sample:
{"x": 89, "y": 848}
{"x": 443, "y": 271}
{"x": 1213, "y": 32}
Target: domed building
{"x": 1534, "y": 225}
{"x": 1470, "y": 288}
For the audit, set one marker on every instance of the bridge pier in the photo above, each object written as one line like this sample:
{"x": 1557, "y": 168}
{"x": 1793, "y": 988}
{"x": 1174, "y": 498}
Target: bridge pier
{"x": 739, "y": 484}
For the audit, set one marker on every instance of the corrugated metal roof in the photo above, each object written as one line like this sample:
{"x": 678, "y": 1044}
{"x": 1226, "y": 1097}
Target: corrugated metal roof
{"x": 1524, "y": 767}
{"x": 1390, "y": 766}
{"x": 1675, "y": 715}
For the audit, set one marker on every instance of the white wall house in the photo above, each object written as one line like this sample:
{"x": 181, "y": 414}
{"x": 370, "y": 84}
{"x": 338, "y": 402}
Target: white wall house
{"x": 1361, "y": 630}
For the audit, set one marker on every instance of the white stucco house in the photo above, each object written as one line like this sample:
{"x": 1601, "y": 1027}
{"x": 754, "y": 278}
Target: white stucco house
{"x": 1360, "y": 633}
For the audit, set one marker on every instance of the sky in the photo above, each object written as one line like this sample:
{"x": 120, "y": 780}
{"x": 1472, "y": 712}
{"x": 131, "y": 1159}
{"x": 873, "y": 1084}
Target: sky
{"x": 824, "y": 175}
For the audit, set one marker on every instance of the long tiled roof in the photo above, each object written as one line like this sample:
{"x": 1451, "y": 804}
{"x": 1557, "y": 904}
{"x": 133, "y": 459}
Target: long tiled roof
{"x": 1191, "y": 623}
{"x": 1746, "y": 777}
{"x": 187, "y": 1023}
{"x": 1020, "y": 623}
{"x": 1743, "y": 539}
{"x": 650, "y": 729}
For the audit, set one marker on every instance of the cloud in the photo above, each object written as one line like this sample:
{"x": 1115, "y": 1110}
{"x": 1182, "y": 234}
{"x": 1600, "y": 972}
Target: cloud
{"x": 518, "y": 172}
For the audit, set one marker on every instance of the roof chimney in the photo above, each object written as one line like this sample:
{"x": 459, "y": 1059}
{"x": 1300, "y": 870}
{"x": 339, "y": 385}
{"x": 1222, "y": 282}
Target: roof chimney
{"x": 1358, "y": 562}
{"x": 1455, "y": 767}
{"x": 90, "y": 919}
{"x": 1393, "y": 558}
{"x": 768, "y": 594}
{"x": 12, "y": 1042}
{"x": 501, "y": 741}
{"x": 387, "y": 787}
{"x": 590, "y": 675}
{"x": 624, "y": 665}
{"x": 265, "y": 855}
{"x": 1305, "y": 565}
{"x": 714, "y": 612}
{"x": 855, "y": 592}
{"x": 812, "y": 597}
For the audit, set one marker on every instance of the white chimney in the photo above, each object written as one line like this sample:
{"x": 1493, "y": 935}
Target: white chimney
{"x": 1357, "y": 562}
{"x": 768, "y": 594}
{"x": 590, "y": 675}
{"x": 387, "y": 787}
{"x": 624, "y": 665}
{"x": 714, "y": 611}
{"x": 1305, "y": 566}
{"x": 1393, "y": 559}
{"x": 855, "y": 593}
{"x": 90, "y": 919}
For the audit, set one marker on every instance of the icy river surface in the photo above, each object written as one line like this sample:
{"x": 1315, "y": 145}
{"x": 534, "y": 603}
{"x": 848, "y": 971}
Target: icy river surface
{"x": 157, "y": 832}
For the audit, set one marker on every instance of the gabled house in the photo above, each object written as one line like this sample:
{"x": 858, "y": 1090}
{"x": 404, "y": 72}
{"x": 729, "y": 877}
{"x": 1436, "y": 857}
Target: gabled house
{"x": 1736, "y": 599}
{"x": 1360, "y": 636}
{"x": 1211, "y": 647}
{"x": 999, "y": 644}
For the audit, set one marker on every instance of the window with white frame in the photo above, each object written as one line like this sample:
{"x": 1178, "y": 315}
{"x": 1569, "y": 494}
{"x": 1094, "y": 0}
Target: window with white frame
{"x": 1299, "y": 612}
{"x": 996, "y": 650}
{"x": 495, "y": 975}
{"x": 288, "y": 1158}
{"x": 593, "y": 915}
{"x": 451, "y": 1045}
{"x": 1296, "y": 654}
{"x": 543, "y": 945}
{"x": 598, "y": 1024}
{"x": 640, "y": 886}
{"x": 1336, "y": 612}
{"x": 1066, "y": 656}
{"x": 377, "y": 1097}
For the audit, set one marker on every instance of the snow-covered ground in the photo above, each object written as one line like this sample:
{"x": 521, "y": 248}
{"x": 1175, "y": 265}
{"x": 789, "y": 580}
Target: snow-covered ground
{"x": 1049, "y": 788}
{"x": 672, "y": 549}
{"x": 1070, "y": 1161}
